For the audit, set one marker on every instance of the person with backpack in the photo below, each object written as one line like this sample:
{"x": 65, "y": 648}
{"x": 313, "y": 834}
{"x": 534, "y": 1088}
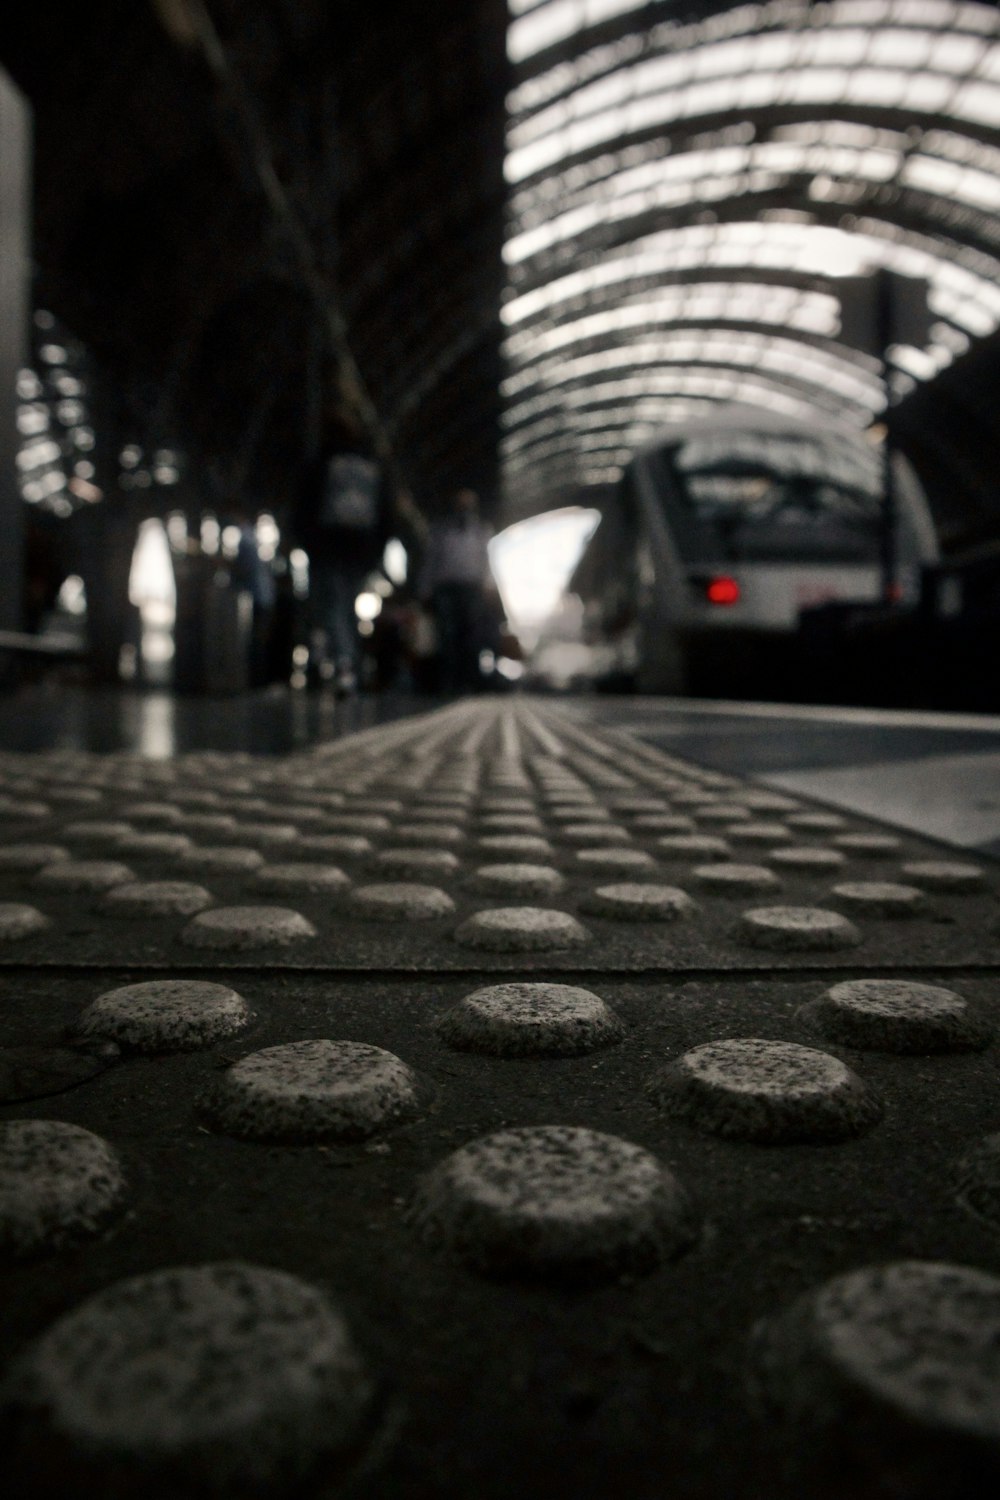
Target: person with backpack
{"x": 343, "y": 524}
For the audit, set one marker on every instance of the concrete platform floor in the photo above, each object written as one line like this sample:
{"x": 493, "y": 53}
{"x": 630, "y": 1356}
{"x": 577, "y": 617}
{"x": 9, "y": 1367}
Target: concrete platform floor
{"x": 701, "y": 1198}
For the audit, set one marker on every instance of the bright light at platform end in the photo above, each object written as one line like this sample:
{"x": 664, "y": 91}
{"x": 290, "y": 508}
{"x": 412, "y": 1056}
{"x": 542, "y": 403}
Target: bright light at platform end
{"x": 533, "y": 561}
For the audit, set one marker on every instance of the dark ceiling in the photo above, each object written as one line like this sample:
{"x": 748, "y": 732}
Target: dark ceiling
{"x": 244, "y": 208}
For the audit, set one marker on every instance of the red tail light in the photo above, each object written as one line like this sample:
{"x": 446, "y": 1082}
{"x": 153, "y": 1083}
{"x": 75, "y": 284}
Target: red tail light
{"x": 722, "y": 591}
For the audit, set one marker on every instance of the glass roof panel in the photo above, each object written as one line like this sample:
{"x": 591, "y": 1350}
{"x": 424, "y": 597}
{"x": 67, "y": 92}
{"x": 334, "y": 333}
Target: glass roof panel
{"x": 685, "y": 197}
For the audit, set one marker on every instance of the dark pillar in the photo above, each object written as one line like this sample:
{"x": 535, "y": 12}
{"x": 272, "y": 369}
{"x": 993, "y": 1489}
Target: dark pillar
{"x": 15, "y": 219}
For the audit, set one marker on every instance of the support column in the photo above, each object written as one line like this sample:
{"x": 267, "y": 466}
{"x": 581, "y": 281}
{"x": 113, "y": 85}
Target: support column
{"x": 15, "y": 227}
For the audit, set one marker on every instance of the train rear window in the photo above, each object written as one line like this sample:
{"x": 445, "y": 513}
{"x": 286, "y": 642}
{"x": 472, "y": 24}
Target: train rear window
{"x": 757, "y": 496}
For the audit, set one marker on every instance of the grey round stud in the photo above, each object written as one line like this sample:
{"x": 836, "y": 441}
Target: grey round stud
{"x": 554, "y": 1200}
{"x": 340, "y": 844}
{"x": 156, "y": 898}
{"x": 594, "y": 833}
{"x": 816, "y": 822}
{"x": 613, "y": 861}
{"x": 896, "y": 1367}
{"x": 221, "y": 858}
{"x": 633, "y": 901}
{"x": 516, "y": 845}
{"x": 808, "y": 858}
{"x": 417, "y": 861}
{"x": 759, "y": 833}
{"x": 248, "y": 1378}
{"x": 867, "y": 845}
{"x": 753, "y": 1089}
{"x": 400, "y": 901}
{"x": 531, "y": 1020}
{"x": 879, "y": 898}
{"x": 247, "y": 927}
{"x": 30, "y": 856}
{"x": 57, "y": 1182}
{"x": 521, "y": 929}
{"x": 950, "y": 877}
{"x": 148, "y": 845}
{"x": 314, "y": 1090}
{"x": 428, "y": 833}
{"x": 94, "y": 830}
{"x": 300, "y": 875}
{"x": 797, "y": 929}
{"x": 725, "y": 879}
{"x": 693, "y": 847}
{"x": 517, "y": 880}
{"x": 18, "y": 920}
{"x": 663, "y": 823}
{"x": 897, "y": 1015}
{"x": 166, "y": 1015}
{"x": 84, "y": 875}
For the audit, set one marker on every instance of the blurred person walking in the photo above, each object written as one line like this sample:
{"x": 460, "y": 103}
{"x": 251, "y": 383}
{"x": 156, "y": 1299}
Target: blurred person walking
{"x": 456, "y": 583}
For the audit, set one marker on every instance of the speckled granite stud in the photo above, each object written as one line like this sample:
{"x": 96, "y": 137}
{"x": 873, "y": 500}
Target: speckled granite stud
{"x": 417, "y": 861}
{"x": 692, "y": 846}
{"x": 613, "y": 861}
{"x": 17, "y": 920}
{"x": 517, "y": 880}
{"x": 521, "y": 929}
{"x": 897, "y": 1015}
{"x": 867, "y": 845}
{"x": 400, "y": 901}
{"x": 84, "y": 875}
{"x": 248, "y": 1377}
{"x": 951, "y": 877}
{"x": 300, "y": 875}
{"x": 632, "y": 901}
{"x": 221, "y": 857}
{"x": 156, "y": 898}
{"x": 725, "y": 879}
{"x": 314, "y": 1091}
{"x": 797, "y": 929}
{"x": 554, "y": 1201}
{"x": 531, "y": 1020}
{"x": 895, "y": 1368}
{"x": 166, "y": 1015}
{"x": 879, "y": 898}
{"x": 58, "y": 1183}
{"x": 30, "y": 856}
{"x": 752, "y": 1089}
{"x": 247, "y": 927}
{"x": 808, "y": 858}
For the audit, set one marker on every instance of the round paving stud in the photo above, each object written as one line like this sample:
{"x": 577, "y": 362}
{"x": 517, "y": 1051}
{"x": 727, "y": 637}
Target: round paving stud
{"x": 897, "y": 1015}
{"x": 18, "y": 920}
{"x": 554, "y": 1200}
{"x": 220, "y": 1380}
{"x": 735, "y": 880}
{"x": 166, "y": 1015}
{"x": 31, "y": 856}
{"x": 951, "y": 877}
{"x": 521, "y": 929}
{"x": 58, "y": 1182}
{"x": 400, "y": 902}
{"x": 631, "y": 901}
{"x": 84, "y": 875}
{"x": 879, "y": 898}
{"x": 247, "y": 927}
{"x": 797, "y": 929}
{"x": 300, "y": 875}
{"x": 897, "y": 1367}
{"x": 531, "y": 1020}
{"x": 314, "y": 1091}
{"x": 517, "y": 880}
{"x": 770, "y": 1092}
{"x": 156, "y": 898}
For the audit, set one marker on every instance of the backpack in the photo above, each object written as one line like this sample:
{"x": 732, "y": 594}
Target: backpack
{"x": 350, "y": 493}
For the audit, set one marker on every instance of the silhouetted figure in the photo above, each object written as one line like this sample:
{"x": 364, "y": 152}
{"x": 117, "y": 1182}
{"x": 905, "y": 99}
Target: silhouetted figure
{"x": 342, "y": 523}
{"x": 454, "y": 581}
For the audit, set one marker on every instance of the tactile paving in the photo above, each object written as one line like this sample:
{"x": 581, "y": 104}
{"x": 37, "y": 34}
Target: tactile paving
{"x": 417, "y": 1218}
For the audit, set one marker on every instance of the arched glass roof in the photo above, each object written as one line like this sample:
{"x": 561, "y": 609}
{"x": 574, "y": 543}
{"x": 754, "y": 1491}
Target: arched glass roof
{"x": 685, "y": 197}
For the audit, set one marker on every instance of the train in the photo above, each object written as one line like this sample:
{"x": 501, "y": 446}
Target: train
{"x": 726, "y": 531}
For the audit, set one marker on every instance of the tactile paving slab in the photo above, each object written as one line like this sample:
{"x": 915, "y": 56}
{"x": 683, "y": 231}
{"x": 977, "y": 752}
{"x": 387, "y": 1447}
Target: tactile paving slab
{"x": 533, "y": 1274}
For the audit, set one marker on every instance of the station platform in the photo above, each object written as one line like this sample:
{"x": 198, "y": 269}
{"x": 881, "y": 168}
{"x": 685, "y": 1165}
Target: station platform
{"x": 525, "y": 1096}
